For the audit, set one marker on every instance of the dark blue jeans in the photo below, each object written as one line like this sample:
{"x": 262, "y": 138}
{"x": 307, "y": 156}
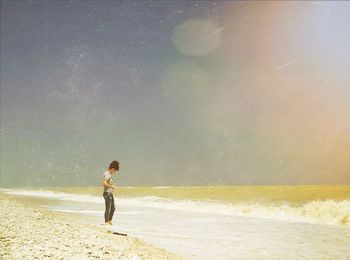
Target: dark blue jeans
{"x": 110, "y": 207}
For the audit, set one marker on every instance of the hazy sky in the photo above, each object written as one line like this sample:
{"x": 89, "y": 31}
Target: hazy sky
{"x": 180, "y": 92}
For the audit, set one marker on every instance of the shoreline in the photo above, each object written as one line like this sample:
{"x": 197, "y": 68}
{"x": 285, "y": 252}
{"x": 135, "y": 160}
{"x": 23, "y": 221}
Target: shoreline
{"x": 27, "y": 231}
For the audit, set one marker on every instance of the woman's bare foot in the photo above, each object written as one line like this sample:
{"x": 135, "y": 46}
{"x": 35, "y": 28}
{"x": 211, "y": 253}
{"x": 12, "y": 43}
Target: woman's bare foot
{"x": 109, "y": 222}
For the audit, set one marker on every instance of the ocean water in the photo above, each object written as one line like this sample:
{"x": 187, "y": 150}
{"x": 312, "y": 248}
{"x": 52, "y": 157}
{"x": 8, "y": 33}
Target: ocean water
{"x": 237, "y": 222}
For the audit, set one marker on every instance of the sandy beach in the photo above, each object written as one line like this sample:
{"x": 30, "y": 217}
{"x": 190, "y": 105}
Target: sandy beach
{"x": 28, "y": 232}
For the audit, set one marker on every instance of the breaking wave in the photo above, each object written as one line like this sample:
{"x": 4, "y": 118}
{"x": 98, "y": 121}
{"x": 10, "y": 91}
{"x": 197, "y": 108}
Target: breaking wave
{"x": 327, "y": 212}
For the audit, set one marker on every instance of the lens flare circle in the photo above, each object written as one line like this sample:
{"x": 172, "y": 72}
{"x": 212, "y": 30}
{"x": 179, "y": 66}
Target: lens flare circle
{"x": 196, "y": 37}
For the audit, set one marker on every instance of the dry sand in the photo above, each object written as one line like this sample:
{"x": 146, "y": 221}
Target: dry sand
{"x": 28, "y": 232}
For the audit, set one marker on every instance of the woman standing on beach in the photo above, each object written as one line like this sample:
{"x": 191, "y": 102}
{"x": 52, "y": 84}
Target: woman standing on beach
{"x": 108, "y": 187}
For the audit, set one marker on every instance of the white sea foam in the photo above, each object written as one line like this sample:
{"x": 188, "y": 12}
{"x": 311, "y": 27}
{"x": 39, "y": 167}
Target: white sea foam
{"x": 328, "y": 212}
{"x": 54, "y": 195}
{"x": 88, "y": 212}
